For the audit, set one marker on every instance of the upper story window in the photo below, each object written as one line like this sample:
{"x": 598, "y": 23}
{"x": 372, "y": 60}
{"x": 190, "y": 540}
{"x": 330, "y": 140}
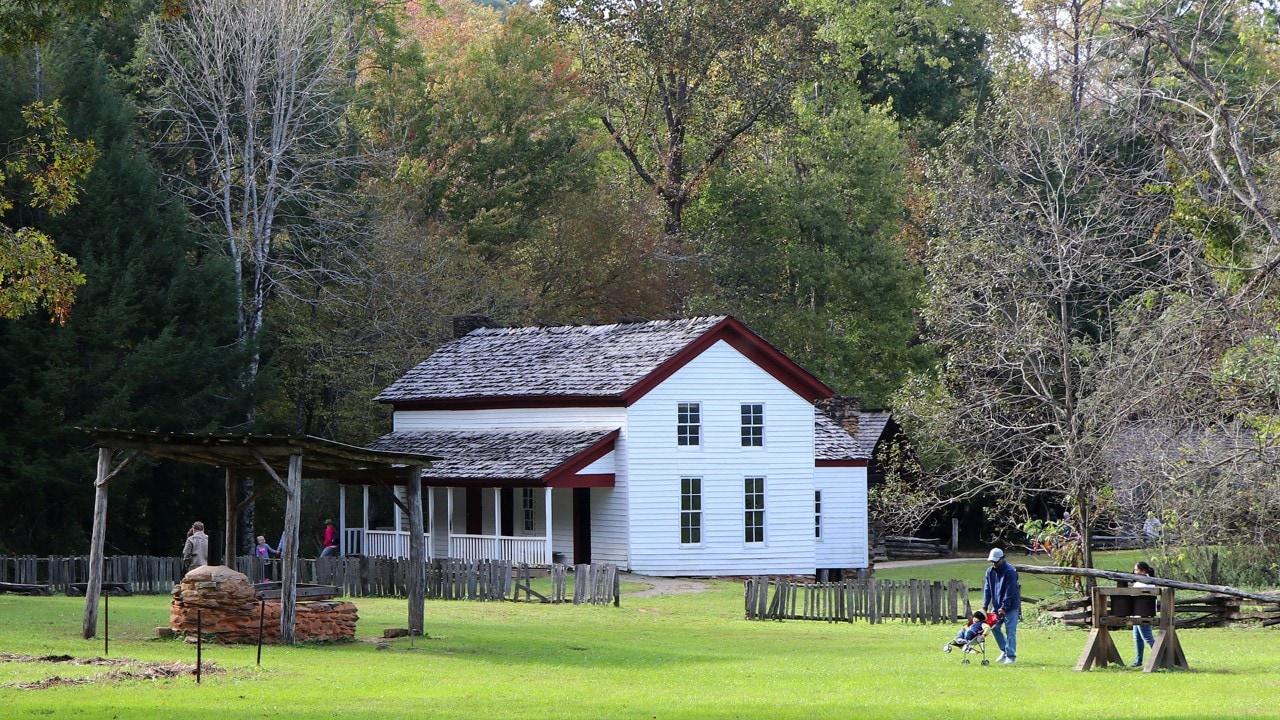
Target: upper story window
{"x": 753, "y": 509}
{"x": 752, "y": 425}
{"x": 689, "y": 424}
{"x": 526, "y": 508}
{"x": 690, "y": 510}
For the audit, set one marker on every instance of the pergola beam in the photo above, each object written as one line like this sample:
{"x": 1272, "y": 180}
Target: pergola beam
{"x": 240, "y": 455}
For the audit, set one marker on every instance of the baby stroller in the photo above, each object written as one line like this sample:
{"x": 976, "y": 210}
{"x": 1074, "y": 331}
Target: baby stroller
{"x": 973, "y": 638}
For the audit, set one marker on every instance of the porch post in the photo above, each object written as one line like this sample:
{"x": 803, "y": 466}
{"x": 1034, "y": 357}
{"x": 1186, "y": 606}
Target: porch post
{"x": 417, "y": 556}
{"x": 497, "y": 524}
{"x": 547, "y": 512}
{"x": 94, "y": 587}
{"x": 431, "y": 521}
{"x": 342, "y": 520}
{"x": 448, "y": 551}
{"x": 229, "y": 541}
{"x": 364, "y": 524}
{"x": 292, "y": 519}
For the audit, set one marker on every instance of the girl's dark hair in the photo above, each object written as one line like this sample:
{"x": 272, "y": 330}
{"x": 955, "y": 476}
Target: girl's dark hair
{"x": 1144, "y": 567}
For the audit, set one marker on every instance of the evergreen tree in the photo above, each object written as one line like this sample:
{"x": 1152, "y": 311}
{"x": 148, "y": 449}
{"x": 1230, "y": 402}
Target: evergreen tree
{"x": 148, "y": 345}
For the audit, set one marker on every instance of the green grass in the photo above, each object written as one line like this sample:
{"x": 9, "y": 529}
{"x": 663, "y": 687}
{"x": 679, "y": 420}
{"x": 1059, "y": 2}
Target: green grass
{"x": 687, "y": 656}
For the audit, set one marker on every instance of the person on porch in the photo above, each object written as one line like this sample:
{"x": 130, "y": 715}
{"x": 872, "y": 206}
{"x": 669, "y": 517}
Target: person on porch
{"x": 330, "y": 540}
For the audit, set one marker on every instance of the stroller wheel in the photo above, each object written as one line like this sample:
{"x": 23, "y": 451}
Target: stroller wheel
{"x": 964, "y": 661}
{"x": 986, "y": 662}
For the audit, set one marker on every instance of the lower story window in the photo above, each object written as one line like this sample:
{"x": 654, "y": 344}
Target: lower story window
{"x": 817, "y": 514}
{"x": 690, "y": 510}
{"x": 753, "y": 509}
{"x": 526, "y": 508}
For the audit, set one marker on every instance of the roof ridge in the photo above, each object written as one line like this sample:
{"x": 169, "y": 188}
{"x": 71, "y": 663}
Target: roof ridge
{"x": 588, "y": 329}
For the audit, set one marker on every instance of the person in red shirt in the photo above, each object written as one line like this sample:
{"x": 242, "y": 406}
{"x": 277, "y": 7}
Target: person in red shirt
{"x": 330, "y": 540}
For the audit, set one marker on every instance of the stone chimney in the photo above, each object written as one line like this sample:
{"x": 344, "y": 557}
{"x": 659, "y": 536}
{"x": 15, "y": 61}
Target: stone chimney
{"x": 844, "y": 410}
{"x": 463, "y": 324}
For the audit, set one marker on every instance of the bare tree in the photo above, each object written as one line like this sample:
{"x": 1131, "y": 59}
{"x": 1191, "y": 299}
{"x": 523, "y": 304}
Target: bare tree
{"x": 1042, "y": 236}
{"x": 1219, "y": 116}
{"x": 250, "y": 97}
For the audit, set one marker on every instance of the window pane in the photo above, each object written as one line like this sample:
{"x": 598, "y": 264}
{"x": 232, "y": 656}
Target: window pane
{"x": 753, "y": 509}
{"x": 690, "y": 510}
{"x": 752, "y": 425}
{"x": 526, "y": 505}
{"x": 817, "y": 513}
{"x": 688, "y": 424}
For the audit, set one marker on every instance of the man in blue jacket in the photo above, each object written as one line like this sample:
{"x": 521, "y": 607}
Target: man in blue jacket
{"x": 1001, "y": 595}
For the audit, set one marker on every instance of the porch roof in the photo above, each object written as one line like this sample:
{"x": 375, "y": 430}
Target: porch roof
{"x": 507, "y": 458}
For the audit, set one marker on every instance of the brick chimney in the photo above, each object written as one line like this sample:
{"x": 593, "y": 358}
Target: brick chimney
{"x": 844, "y": 410}
{"x": 463, "y": 324}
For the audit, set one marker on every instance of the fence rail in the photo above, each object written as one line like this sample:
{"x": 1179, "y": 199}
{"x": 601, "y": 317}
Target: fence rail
{"x": 446, "y": 578}
{"x": 873, "y": 600}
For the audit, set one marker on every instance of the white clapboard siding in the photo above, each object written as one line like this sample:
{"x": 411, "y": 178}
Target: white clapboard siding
{"x": 721, "y": 379}
{"x": 510, "y": 419}
{"x": 844, "y": 517}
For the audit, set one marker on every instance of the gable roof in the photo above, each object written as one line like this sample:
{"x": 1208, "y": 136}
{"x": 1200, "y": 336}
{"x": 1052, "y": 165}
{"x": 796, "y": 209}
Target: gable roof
{"x": 871, "y": 425}
{"x": 587, "y": 365}
{"x": 511, "y": 458}
{"x": 833, "y": 446}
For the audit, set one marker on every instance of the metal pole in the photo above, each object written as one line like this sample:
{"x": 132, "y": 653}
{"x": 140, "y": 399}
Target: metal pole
{"x": 106, "y": 623}
{"x": 199, "y": 643}
{"x": 262, "y": 612}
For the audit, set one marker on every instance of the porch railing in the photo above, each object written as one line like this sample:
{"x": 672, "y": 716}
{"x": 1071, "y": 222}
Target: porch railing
{"x": 531, "y": 550}
{"x": 381, "y": 543}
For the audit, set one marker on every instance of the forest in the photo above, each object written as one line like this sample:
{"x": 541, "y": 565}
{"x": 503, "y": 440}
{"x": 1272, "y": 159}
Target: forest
{"x": 1044, "y": 234}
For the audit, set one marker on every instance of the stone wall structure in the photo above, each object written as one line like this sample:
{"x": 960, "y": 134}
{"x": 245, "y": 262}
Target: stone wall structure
{"x": 229, "y": 610}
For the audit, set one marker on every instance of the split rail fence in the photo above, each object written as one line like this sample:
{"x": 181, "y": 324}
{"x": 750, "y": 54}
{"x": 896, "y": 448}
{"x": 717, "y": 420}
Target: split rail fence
{"x": 446, "y": 579}
{"x": 875, "y": 601}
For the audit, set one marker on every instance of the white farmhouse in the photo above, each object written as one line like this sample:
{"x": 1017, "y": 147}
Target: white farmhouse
{"x": 682, "y": 447}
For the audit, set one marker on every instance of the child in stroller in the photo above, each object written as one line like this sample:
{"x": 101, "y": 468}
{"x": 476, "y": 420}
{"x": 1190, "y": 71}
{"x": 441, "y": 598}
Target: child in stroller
{"x": 973, "y": 636}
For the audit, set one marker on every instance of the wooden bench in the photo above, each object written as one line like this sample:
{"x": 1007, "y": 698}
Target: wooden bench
{"x": 25, "y": 589}
{"x": 108, "y": 588}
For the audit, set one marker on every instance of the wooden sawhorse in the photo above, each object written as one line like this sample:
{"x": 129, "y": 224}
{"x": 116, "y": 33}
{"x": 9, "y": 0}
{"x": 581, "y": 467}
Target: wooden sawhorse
{"x": 1121, "y": 607}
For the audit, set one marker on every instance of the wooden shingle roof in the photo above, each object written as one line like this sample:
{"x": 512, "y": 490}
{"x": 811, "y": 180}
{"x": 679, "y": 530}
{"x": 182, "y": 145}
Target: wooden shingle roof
{"x": 602, "y": 365}
{"x": 833, "y": 445}
{"x": 515, "y": 458}
{"x": 871, "y": 425}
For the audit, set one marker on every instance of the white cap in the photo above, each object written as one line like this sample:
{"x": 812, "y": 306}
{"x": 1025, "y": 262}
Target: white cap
{"x": 995, "y": 554}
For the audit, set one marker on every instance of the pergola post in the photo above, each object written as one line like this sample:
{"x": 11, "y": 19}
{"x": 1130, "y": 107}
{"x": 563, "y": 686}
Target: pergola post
{"x": 417, "y": 550}
{"x": 292, "y": 519}
{"x": 229, "y": 546}
{"x": 94, "y": 587}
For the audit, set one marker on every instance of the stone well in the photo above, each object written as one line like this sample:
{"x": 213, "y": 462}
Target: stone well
{"x": 229, "y": 610}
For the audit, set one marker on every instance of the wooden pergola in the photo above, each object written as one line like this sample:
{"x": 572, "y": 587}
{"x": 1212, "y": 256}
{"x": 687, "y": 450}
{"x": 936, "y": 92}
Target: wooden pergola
{"x": 241, "y": 455}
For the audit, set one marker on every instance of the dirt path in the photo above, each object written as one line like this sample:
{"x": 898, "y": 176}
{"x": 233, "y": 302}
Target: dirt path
{"x": 662, "y": 585}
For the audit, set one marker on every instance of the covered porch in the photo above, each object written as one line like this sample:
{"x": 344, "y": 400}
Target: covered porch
{"x": 518, "y": 495}
{"x": 361, "y": 533}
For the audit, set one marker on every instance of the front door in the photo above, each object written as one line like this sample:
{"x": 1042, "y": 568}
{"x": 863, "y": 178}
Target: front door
{"x": 474, "y": 511}
{"x": 582, "y": 526}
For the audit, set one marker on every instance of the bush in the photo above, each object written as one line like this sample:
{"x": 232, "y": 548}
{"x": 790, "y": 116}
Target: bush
{"x": 1237, "y": 565}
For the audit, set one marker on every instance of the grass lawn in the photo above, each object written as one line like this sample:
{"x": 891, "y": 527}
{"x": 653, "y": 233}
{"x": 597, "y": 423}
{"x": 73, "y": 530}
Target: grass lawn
{"x": 681, "y": 656}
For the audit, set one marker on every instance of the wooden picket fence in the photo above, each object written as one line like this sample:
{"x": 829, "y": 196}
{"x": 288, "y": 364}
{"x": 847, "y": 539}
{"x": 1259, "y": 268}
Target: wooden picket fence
{"x": 920, "y": 601}
{"x": 446, "y": 578}
{"x": 592, "y": 584}
{"x": 144, "y": 574}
